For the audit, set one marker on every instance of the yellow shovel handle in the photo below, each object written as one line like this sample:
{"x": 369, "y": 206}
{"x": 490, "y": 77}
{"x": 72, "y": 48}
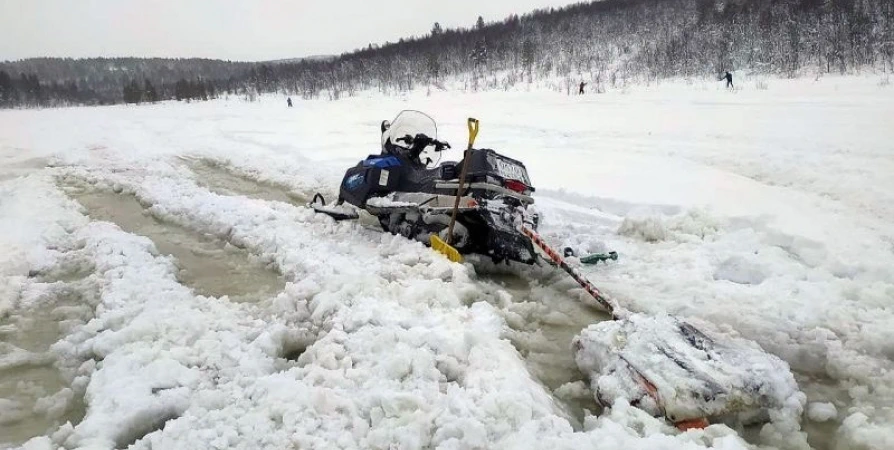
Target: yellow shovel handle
{"x": 473, "y": 131}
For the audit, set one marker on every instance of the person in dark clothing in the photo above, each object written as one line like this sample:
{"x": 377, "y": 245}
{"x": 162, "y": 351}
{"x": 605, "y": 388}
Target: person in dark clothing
{"x": 729, "y": 80}
{"x": 289, "y": 101}
{"x": 581, "y": 92}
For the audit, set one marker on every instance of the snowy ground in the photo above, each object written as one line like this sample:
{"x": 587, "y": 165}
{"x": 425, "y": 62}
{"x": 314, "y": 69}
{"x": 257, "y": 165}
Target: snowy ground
{"x": 163, "y": 287}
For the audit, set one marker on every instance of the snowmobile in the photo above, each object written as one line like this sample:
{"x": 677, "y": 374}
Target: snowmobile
{"x": 415, "y": 198}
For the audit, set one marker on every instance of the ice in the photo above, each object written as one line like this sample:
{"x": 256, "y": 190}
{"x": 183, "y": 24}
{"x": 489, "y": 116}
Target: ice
{"x": 764, "y": 213}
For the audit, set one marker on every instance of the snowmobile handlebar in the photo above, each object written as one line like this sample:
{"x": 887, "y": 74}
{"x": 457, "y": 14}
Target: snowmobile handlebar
{"x": 421, "y": 141}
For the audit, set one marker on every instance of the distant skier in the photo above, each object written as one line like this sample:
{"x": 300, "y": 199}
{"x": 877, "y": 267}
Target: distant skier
{"x": 582, "y": 84}
{"x": 729, "y": 80}
{"x": 289, "y": 101}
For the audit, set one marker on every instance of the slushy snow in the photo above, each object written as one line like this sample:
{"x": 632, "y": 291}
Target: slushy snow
{"x": 764, "y": 213}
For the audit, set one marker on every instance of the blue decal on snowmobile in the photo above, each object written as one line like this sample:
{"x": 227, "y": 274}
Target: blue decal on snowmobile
{"x": 383, "y": 162}
{"x": 355, "y": 181}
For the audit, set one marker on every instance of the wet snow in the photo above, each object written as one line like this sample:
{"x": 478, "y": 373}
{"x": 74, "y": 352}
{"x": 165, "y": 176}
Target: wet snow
{"x": 765, "y": 212}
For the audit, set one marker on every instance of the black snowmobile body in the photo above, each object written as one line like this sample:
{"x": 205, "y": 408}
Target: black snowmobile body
{"x": 416, "y": 201}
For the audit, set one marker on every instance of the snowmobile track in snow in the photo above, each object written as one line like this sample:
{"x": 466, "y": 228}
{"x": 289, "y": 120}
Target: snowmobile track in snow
{"x": 38, "y": 396}
{"x": 217, "y": 177}
{"x": 224, "y": 180}
{"x": 210, "y": 266}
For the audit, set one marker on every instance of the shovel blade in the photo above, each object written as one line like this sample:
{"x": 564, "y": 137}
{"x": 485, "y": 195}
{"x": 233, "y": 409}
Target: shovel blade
{"x": 442, "y": 247}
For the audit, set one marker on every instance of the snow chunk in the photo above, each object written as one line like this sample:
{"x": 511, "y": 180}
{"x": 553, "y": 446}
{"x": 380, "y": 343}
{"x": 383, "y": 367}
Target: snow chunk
{"x": 821, "y": 411}
{"x": 648, "y": 227}
{"x": 652, "y": 226}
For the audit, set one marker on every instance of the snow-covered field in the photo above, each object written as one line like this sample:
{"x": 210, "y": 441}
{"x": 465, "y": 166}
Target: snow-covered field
{"x": 768, "y": 212}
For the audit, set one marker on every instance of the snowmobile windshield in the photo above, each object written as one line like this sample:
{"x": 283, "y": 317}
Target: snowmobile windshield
{"x": 410, "y": 123}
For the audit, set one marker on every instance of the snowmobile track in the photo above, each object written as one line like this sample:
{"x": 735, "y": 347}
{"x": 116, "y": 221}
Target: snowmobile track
{"x": 210, "y": 266}
{"x": 218, "y": 177}
{"x": 39, "y": 393}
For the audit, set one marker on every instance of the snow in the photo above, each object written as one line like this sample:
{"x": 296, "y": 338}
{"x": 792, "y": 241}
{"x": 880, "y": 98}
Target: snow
{"x": 764, "y": 213}
{"x": 821, "y": 411}
{"x": 387, "y": 202}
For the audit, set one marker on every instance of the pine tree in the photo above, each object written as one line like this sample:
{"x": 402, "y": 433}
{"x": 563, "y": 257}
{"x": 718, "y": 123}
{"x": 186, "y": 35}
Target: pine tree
{"x": 181, "y": 90}
{"x": 35, "y": 89}
{"x": 200, "y": 91}
{"x": 528, "y": 57}
{"x": 7, "y": 90}
{"x": 149, "y": 93}
{"x": 132, "y": 92}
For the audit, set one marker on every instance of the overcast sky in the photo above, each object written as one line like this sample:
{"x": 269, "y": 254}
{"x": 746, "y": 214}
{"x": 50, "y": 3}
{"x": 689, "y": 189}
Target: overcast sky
{"x": 229, "y": 29}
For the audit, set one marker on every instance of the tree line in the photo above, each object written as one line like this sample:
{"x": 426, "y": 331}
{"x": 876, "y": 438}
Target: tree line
{"x": 608, "y": 43}
{"x": 100, "y": 81}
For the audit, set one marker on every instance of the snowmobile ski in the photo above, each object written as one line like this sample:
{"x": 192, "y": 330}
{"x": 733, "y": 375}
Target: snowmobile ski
{"x": 337, "y": 212}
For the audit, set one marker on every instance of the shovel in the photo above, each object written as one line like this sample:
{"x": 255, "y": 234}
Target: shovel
{"x": 438, "y": 244}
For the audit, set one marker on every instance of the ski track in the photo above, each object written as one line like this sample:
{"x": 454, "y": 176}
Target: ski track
{"x": 376, "y": 342}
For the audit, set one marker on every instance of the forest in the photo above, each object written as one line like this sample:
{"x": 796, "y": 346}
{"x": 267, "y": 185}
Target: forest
{"x": 607, "y": 44}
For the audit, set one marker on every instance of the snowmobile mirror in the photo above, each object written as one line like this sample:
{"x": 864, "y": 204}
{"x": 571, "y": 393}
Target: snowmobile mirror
{"x": 385, "y": 126}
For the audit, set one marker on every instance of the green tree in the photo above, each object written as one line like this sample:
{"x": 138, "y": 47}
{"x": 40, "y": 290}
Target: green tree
{"x": 181, "y": 90}
{"x": 132, "y": 93}
{"x": 149, "y": 92}
{"x": 7, "y": 90}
